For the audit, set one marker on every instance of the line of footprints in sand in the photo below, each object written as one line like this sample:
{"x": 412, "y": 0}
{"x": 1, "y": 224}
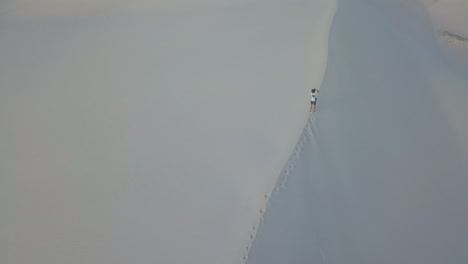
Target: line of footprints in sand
{"x": 282, "y": 183}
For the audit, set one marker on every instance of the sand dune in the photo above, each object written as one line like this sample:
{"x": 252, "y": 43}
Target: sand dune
{"x": 155, "y": 132}
{"x": 379, "y": 174}
{"x": 150, "y": 135}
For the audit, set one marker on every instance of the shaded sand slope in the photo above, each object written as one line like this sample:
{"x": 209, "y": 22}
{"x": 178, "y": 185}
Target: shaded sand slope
{"x": 378, "y": 175}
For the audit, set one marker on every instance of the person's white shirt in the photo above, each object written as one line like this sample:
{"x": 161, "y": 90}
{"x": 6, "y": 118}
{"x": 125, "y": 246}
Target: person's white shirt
{"x": 313, "y": 97}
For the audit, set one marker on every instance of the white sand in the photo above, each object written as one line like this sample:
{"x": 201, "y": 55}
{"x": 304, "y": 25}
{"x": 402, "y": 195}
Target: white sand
{"x": 449, "y": 15}
{"x": 380, "y": 174}
{"x": 155, "y": 133}
{"x": 450, "y": 20}
{"x": 149, "y": 135}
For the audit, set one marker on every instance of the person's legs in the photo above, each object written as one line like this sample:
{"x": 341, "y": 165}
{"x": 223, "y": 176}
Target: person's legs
{"x": 311, "y": 105}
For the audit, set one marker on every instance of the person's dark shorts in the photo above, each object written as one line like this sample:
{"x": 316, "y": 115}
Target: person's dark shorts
{"x": 314, "y": 102}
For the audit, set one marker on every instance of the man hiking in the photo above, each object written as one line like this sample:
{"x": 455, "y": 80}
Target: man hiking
{"x": 313, "y": 99}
